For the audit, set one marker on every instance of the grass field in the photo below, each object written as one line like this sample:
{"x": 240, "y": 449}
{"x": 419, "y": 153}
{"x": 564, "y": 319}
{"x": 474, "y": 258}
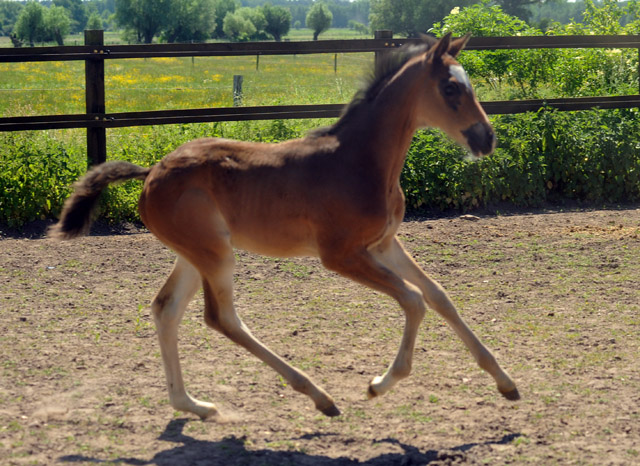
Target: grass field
{"x": 180, "y": 83}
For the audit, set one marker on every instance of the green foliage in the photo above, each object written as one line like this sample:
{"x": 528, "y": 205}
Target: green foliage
{"x": 237, "y": 27}
{"x": 522, "y": 70}
{"x": 30, "y": 24}
{"x": 278, "y": 21}
{"x": 143, "y": 19}
{"x": 95, "y": 22}
{"x": 36, "y": 174}
{"x": 9, "y": 12}
{"x": 358, "y": 27}
{"x": 548, "y": 72}
{"x": 256, "y": 17}
{"x": 547, "y": 156}
{"x": 222, "y": 8}
{"x": 410, "y": 17}
{"x": 77, "y": 11}
{"x": 581, "y": 72}
{"x": 37, "y": 23}
{"x": 190, "y": 20}
{"x": 57, "y": 24}
{"x": 319, "y": 19}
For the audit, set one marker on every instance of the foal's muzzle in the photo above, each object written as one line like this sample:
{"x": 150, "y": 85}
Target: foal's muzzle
{"x": 481, "y": 138}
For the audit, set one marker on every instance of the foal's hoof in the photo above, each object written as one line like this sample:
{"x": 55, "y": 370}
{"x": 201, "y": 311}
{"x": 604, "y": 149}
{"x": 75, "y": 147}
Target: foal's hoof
{"x": 208, "y": 411}
{"x": 511, "y": 395}
{"x": 371, "y": 393}
{"x": 331, "y": 411}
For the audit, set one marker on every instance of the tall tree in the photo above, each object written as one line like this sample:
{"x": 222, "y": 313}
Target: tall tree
{"x": 30, "y": 24}
{"x": 319, "y": 19}
{"x": 190, "y": 20}
{"x": 410, "y": 17}
{"x": 237, "y": 27}
{"x": 519, "y": 8}
{"x": 77, "y": 11}
{"x": 145, "y": 18}
{"x": 278, "y": 20}
{"x": 57, "y": 24}
{"x": 256, "y": 16}
{"x": 245, "y": 24}
{"x": 223, "y": 7}
{"x": 9, "y": 12}
{"x": 95, "y": 21}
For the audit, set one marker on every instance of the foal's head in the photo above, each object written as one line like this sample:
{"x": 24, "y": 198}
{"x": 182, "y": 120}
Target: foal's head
{"x": 447, "y": 101}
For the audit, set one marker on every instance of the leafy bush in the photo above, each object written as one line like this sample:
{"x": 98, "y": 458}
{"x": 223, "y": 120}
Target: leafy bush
{"x": 548, "y": 72}
{"x": 548, "y": 156}
{"x": 36, "y": 172}
{"x": 523, "y": 71}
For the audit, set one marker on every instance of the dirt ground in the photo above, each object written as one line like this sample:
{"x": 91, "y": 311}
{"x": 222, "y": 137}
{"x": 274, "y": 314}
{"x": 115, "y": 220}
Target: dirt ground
{"x": 554, "y": 294}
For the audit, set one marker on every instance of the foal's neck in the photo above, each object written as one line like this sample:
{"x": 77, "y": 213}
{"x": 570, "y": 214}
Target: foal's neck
{"x": 392, "y": 123}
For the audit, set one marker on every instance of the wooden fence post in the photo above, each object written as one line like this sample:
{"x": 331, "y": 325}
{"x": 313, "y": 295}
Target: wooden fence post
{"x": 382, "y": 34}
{"x": 237, "y": 90}
{"x": 94, "y": 97}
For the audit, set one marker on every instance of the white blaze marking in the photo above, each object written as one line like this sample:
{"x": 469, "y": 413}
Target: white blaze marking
{"x": 460, "y": 75}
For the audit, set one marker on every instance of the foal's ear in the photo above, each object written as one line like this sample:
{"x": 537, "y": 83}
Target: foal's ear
{"x": 458, "y": 44}
{"x": 442, "y": 46}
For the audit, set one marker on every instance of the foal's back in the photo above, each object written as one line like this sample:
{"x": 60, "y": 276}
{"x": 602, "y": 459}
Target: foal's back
{"x": 266, "y": 198}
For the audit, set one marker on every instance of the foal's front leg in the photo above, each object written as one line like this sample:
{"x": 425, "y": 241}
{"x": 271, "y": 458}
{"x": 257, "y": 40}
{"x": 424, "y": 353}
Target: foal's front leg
{"x": 366, "y": 267}
{"x": 394, "y": 256}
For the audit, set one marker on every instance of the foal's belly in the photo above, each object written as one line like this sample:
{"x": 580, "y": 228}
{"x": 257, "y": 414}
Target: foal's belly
{"x": 274, "y": 242}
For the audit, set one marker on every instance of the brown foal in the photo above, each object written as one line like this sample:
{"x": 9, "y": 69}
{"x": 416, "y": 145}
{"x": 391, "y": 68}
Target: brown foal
{"x": 334, "y": 194}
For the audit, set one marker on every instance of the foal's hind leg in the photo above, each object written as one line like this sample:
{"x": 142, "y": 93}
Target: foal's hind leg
{"x": 168, "y": 308}
{"x": 220, "y": 314}
{"x": 395, "y": 257}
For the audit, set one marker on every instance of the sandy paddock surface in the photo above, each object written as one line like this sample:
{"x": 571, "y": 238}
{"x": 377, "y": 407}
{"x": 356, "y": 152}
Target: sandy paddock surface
{"x": 555, "y": 295}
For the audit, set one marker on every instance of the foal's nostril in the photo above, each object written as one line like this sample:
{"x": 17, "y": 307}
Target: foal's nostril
{"x": 481, "y": 138}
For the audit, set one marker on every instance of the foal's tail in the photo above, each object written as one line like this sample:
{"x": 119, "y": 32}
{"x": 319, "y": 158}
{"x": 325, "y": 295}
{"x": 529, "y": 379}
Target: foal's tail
{"x": 76, "y": 216}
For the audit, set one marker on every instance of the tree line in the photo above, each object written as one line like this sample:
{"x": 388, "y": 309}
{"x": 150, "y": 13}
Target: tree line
{"x": 28, "y": 22}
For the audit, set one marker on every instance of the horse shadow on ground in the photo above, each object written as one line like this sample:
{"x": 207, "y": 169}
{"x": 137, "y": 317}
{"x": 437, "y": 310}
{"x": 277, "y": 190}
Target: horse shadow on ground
{"x": 232, "y": 451}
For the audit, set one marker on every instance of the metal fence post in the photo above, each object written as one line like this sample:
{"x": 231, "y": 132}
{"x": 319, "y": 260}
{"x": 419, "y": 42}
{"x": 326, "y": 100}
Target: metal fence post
{"x": 94, "y": 97}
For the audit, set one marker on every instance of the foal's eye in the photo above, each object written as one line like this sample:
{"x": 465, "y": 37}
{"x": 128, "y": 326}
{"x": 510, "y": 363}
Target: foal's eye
{"x": 451, "y": 89}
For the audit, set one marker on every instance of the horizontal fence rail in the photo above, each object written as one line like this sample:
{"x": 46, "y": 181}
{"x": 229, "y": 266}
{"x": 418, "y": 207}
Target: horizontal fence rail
{"x": 105, "y": 52}
{"x": 96, "y": 120}
{"x": 281, "y": 112}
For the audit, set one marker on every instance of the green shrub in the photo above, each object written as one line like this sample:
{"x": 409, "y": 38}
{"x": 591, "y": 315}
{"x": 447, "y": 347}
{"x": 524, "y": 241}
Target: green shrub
{"x": 36, "y": 173}
{"x": 548, "y": 156}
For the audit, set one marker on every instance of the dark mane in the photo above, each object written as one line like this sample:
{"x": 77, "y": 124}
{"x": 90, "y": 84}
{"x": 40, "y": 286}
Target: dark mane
{"x": 385, "y": 68}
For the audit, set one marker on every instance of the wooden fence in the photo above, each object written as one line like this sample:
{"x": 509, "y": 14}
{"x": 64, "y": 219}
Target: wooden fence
{"x": 94, "y": 53}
